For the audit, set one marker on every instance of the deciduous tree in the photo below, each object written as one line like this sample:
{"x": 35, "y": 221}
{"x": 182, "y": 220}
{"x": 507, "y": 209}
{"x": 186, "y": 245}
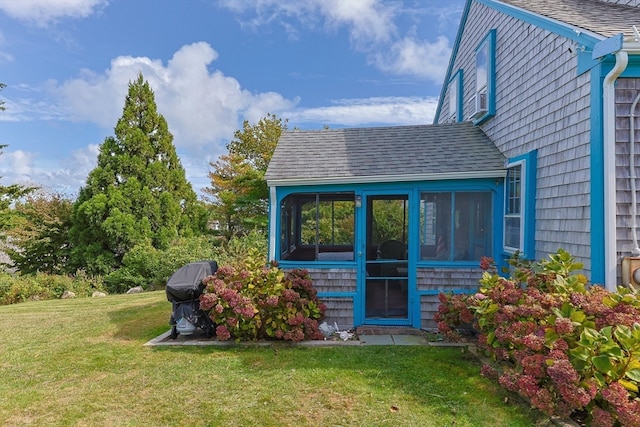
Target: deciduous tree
{"x": 39, "y": 233}
{"x": 238, "y": 188}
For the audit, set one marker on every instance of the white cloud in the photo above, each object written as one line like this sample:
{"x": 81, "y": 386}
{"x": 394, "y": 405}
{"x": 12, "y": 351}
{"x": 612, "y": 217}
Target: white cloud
{"x": 201, "y": 107}
{"x": 64, "y": 176}
{"x": 4, "y": 56}
{"x": 371, "y": 25}
{"x": 18, "y": 163}
{"x": 44, "y": 12}
{"x": 415, "y": 57}
{"x": 369, "y": 111}
{"x": 368, "y": 21}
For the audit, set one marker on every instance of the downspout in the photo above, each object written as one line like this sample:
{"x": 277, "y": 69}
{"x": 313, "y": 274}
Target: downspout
{"x": 632, "y": 175}
{"x": 609, "y": 130}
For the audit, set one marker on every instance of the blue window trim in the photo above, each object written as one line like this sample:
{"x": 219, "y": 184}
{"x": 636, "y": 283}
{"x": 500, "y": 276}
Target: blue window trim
{"x": 457, "y": 80}
{"x": 413, "y": 190}
{"x": 528, "y": 208}
{"x": 497, "y": 192}
{"x": 490, "y": 41}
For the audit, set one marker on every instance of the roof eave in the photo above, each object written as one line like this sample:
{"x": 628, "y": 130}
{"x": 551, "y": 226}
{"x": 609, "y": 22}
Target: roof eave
{"x": 376, "y": 179}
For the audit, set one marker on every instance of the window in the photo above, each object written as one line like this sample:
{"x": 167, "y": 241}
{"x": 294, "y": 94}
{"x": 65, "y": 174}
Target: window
{"x": 454, "y": 89}
{"x": 513, "y": 209}
{"x": 482, "y": 68}
{"x": 482, "y": 104}
{"x": 317, "y": 226}
{"x": 455, "y": 226}
{"x": 519, "y": 206}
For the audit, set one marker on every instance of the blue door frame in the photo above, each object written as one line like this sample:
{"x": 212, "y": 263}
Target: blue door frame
{"x": 363, "y": 308}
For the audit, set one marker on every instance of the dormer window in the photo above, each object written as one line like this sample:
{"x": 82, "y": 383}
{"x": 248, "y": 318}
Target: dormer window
{"x": 454, "y": 90}
{"x": 482, "y": 103}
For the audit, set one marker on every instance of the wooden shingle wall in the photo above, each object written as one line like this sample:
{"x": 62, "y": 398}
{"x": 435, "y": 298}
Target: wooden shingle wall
{"x": 626, "y": 91}
{"x": 333, "y": 279}
{"x": 339, "y": 311}
{"x": 635, "y": 3}
{"x": 541, "y": 103}
{"x": 447, "y": 279}
{"x": 442, "y": 280}
{"x": 336, "y": 280}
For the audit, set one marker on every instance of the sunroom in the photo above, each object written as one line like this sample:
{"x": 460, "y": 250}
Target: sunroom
{"x": 386, "y": 218}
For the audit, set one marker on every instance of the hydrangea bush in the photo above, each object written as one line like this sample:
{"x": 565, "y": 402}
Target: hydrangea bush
{"x": 262, "y": 302}
{"x": 567, "y": 347}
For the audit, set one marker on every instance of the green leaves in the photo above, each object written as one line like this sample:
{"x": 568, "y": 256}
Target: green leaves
{"x": 138, "y": 192}
{"x": 258, "y": 301}
{"x": 238, "y": 188}
{"x": 591, "y": 337}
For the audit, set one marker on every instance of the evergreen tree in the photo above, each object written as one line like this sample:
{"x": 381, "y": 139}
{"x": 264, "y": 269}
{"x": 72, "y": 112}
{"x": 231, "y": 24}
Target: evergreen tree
{"x": 138, "y": 192}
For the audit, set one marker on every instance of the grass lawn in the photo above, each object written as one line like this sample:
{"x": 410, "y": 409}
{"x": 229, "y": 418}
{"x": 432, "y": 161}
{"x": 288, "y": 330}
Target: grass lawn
{"x": 82, "y": 362}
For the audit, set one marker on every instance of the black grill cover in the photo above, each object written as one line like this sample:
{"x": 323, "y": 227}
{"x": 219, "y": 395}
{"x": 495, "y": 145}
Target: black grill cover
{"x": 186, "y": 283}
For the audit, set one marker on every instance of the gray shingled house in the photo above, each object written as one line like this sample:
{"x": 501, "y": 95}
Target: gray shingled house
{"x": 532, "y": 149}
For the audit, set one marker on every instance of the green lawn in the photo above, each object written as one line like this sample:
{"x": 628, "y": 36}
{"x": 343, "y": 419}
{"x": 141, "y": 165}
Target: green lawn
{"x": 82, "y": 362}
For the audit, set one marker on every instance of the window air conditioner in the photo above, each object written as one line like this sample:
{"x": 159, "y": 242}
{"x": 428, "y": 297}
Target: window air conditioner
{"x": 478, "y": 105}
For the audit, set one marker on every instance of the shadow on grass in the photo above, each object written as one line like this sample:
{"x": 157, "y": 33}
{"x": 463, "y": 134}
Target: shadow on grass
{"x": 142, "y": 322}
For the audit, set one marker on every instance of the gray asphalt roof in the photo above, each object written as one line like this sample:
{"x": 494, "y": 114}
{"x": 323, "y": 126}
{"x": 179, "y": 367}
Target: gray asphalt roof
{"x": 606, "y": 19}
{"x": 384, "y": 154}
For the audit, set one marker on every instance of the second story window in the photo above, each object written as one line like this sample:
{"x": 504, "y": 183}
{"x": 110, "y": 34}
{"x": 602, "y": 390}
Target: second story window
{"x": 482, "y": 104}
{"x": 454, "y": 90}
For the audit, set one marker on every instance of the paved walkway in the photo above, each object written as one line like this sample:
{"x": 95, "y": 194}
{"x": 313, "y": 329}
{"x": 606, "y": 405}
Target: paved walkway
{"x": 363, "y": 339}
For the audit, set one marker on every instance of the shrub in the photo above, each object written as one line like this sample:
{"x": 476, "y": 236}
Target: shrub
{"x": 239, "y": 248}
{"x": 41, "y": 286}
{"x": 150, "y": 268}
{"x": 565, "y": 346}
{"x": 258, "y": 302}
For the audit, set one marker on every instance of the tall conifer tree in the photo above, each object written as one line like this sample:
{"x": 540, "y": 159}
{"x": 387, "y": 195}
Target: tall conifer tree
{"x": 138, "y": 192}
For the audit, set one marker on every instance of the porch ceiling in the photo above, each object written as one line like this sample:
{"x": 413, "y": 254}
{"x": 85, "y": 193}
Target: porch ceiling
{"x": 384, "y": 154}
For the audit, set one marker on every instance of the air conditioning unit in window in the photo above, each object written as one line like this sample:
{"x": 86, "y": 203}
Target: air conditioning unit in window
{"x": 478, "y": 105}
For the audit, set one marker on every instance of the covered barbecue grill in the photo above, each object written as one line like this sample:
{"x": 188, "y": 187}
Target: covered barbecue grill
{"x": 183, "y": 291}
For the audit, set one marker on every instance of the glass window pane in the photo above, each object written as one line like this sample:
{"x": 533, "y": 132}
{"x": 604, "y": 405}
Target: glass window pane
{"x": 513, "y": 208}
{"x": 514, "y": 189}
{"x": 472, "y": 230}
{"x": 455, "y": 226}
{"x": 512, "y": 232}
{"x": 318, "y": 226}
{"x": 453, "y": 98}
{"x": 481, "y": 67}
{"x": 435, "y": 226}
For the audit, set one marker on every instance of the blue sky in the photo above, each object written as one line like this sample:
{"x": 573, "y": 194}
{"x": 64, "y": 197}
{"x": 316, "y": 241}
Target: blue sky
{"x": 212, "y": 64}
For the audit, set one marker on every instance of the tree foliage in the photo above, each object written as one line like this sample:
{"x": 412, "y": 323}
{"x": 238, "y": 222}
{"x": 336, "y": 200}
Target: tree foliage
{"x": 39, "y": 233}
{"x": 138, "y": 192}
{"x": 238, "y": 188}
{"x": 9, "y": 193}
{"x": 2, "y": 107}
